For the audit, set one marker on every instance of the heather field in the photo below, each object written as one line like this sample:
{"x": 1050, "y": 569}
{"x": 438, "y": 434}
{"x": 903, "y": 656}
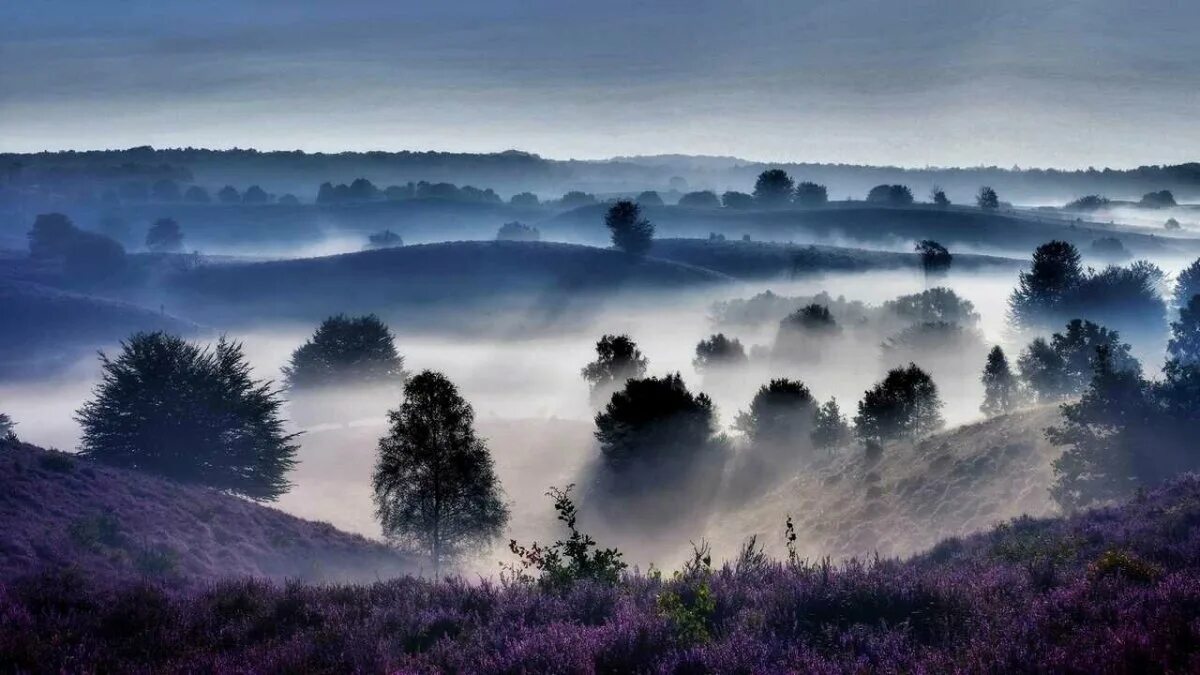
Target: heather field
{"x": 1111, "y": 590}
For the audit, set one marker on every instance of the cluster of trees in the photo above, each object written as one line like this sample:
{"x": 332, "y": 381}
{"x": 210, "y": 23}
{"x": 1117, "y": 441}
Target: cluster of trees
{"x": 164, "y": 236}
{"x": 518, "y": 231}
{"x": 363, "y": 190}
{"x": 86, "y": 256}
{"x": 774, "y": 187}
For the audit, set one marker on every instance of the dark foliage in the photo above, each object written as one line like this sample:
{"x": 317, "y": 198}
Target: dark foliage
{"x": 935, "y": 259}
{"x": 565, "y": 563}
{"x": 811, "y": 194}
{"x": 774, "y": 187}
{"x": 830, "y": 428}
{"x": 165, "y": 190}
{"x": 987, "y": 198}
{"x": 194, "y": 415}
{"x": 904, "y": 405}
{"x": 654, "y": 419}
{"x": 86, "y": 256}
{"x": 8, "y": 429}
{"x": 1184, "y": 345}
{"x": 384, "y": 239}
{"x": 630, "y": 232}
{"x": 803, "y": 333}
{"x": 731, "y": 199}
{"x": 435, "y": 482}
{"x": 1109, "y": 248}
{"x": 617, "y": 359}
{"x": 1064, "y": 365}
{"x": 518, "y": 231}
{"x": 346, "y": 350}
{"x": 1001, "y": 391}
{"x": 1087, "y": 203}
{"x": 782, "y": 413}
{"x": 1172, "y": 224}
{"x": 525, "y": 199}
{"x": 576, "y": 199}
{"x": 1187, "y": 284}
{"x": 938, "y": 304}
{"x": 719, "y": 351}
{"x": 701, "y": 199}
{"x": 52, "y": 236}
{"x": 649, "y": 198}
{"x": 938, "y": 196}
{"x": 197, "y": 195}
{"x": 1055, "y": 272}
{"x": 895, "y": 195}
{"x": 255, "y": 195}
{"x": 1158, "y": 200}
{"x": 229, "y": 195}
{"x": 164, "y": 236}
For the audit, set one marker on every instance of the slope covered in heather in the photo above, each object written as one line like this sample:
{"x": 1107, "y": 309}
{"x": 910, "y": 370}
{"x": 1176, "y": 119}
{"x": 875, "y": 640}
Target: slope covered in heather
{"x": 58, "y": 511}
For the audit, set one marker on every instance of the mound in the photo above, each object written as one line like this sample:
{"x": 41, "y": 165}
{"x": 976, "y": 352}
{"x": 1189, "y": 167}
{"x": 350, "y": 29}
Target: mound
{"x": 58, "y": 511}
{"x": 1111, "y": 591}
{"x": 951, "y": 484}
{"x": 459, "y": 275}
{"x": 44, "y": 326}
{"x": 759, "y": 260}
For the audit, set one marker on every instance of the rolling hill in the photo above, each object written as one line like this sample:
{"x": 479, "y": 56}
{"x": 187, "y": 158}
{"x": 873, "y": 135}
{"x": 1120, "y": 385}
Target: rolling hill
{"x": 58, "y": 511}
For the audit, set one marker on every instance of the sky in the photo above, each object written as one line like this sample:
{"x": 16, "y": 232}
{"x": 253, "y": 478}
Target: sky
{"x": 1065, "y": 83}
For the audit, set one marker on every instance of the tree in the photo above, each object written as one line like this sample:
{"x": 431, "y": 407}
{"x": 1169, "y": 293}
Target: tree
{"x": 802, "y": 333}
{"x": 811, "y": 194}
{"x": 736, "y": 200}
{"x": 1172, "y": 224}
{"x": 164, "y": 236}
{"x": 987, "y": 198}
{"x": 255, "y": 195}
{"x": 938, "y": 196}
{"x": 935, "y": 259}
{"x": 1187, "y": 283}
{"x": 1087, "y": 204}
{"x": 346, "y": 350}
{"x": 326, "y": 194}
{"x": 52, "y": 235}
{"x": 654, "y": 419}
{"x": 1043, "y": 371}
{"x": 229, "y": 195}
{"x": 939, "y": 304}
{"x": 435, "y": 482}
{"x": 781, "y": 413}
{"x": 518, "y": 231}
{"x": 524, "y": 199}
{"x": 1184, "y": 346}
{"x": 1110, "y": 248}
{"x": 1077, "y": 347}
{"x": 7, "y": 429}
{"x": 896, "y": 195}
{"x": 904, "y": 405}
{"x": 617, "y": 360}
{"x": 631, "y": 233}
{"x": 194, "y": 415}
{"x": 289, "y": 199}
{"x": 1055, "y": 272}
{"x": 719, "y": 351}
{"x": 1158, "y": 200}
{"x": 197, "y": 195}
{"x": 362, "y": 190}
{"x": 384, "y": 239}
{"x": 703, "y": 199}
{"x": 830, "y": 429}
{"x": 575, "y": 199}
{"x": 773, "y": 188}
{"x": 649, "y": 198}
{"x": 1000, "y": 388}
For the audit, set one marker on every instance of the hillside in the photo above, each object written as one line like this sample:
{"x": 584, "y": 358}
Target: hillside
{"x": 1108, "y": 591}
{"x": 59, "y": 511}
{"x": 951, "y": 484}
{"x": 46, "y": 327}
{"x": 483, "y": 279}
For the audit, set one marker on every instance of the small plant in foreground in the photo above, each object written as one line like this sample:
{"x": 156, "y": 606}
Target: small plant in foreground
{"x": 565, "y": 562}
{"x": 690, "y": 608}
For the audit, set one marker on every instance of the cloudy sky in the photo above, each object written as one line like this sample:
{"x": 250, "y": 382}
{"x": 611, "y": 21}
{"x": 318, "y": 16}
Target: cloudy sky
{"x": 1065, "y": 83}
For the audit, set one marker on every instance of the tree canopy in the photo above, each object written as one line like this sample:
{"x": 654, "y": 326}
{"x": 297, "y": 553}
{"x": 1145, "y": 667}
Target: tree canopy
{"x": 655, "y": 419}
{"x": 617, "y": 359}
{"x": 719, "y": 351}
{"x": 164, "y": 236}
{"x": 774, "y": 187}
{"x": 630, "y": 232}
{"x": 782, "y": 412}
{"x": 1001, "y": 390}
{"x": 811, "y": 194}
{"x": 904, "y": 405}
{"x": 346, "y": 350}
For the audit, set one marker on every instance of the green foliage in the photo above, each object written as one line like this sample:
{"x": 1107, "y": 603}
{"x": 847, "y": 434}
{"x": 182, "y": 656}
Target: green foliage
{"x": 1125, "y": 564}
{"x": 690, "y": 604}
{"x": 565, "y": 562}
{"x": 630, "y": 232}
{"x": 435, "y": 482}
{"x": 346, "y": 350}
{"x": 194, "y": 415}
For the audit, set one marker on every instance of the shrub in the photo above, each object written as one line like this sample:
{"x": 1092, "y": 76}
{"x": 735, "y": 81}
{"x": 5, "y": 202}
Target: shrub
{"x": 895, "y": 195}
{"x": 649, "y": 198}
{"x": 164, "y": 236}
{"x": 935, "y": 259}
{"x": 566, "y": 562}
{"x": 939, "y": 304}
{"x": 830, "y": 429}
{"x": 987, "y": 198}
{"x": 1158, "y": 200}
{"x": 1087, "y": 203}
{"x": 732, "y": 199}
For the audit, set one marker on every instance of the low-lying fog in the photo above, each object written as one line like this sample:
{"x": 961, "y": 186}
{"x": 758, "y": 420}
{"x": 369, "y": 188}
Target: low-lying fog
{"x": 531, "y": 403}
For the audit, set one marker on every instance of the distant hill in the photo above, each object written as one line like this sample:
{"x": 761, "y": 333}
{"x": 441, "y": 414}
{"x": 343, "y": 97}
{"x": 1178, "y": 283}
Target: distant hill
{"x": 474, "y": 281}
{"x": 59, "y": 511}
{"x": 45, "y": 326}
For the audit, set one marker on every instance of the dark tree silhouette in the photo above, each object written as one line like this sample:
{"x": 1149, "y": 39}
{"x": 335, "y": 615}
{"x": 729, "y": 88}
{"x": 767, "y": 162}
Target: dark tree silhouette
{"x": 86, "y": 256}
{"x": 987, "y": 198}
{"x": 197, "y": 194}
{"x": 655, "y": 419}
{"x": 575, "y": 199}
{"x": 8, "y": 429}
{"x": 649, "y": 198}
{"x": 518, "y": 231}
{"x": 255, "y": 195}
{"x": 737, "y": 200}
{"x": 811, "y": 194}
{"x": 354, "y": 350}
{"x": 896, "y": 195}
{"x": 904, "y": 405}
{"x": 1187, "y": 283}
{"x": 435, "y": 482}
{"x": 1184, "y": 346}
{"x": 194, "y": 415}
{"x": 1064, "y": 365}
{"x": 524, "y": 199}
{"x": 1055, "y": 272}
{"x": 229, "y": 195}
{"x": 803, "y": 333}
{"x": 1172, "y": 224}
{"x": 773, "y": 188}
{"x": 1087, "y": 204}
{"x": 384, "y": 239}
{"x": 935, "y": 259}
{"x": 617, "y": 360}
{"x": 164, "y": 236}
{"x": 1043, "y": 371}
{"x": 938, "y": 196}
{"x": 630, "y": 232}
{"x": 719, "y": 351}
{"x": 939, "y": 304}
{"x": 702, "y": 199}
{"x": 1158, "y": 200}
{"x": 830, "y": 429}
{"x": 1001, "y": 391}
{"x": 52, "y": 236}
{"x": 781, "y": 414}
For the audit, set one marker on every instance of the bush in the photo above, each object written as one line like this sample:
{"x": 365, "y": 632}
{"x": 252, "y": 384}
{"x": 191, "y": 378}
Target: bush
{"x": 524, "y": 199}
{"x": 736, "y": 200}
{"x": 987, "y": 198}
{"x": 564, "y": 563}
{"x": 895, "y": 195}
{"x": 649, "y": 198}
{"x": 1158, "y": 200}
{"x": 811, "y": 194}
{"x": 194, "y": 415}
{"x": 617, "y": 359}
{"x": 773, "y": 188}
{"x": 934, "y": 305}
{"x": 1087, "y": 203}
{"x": 935, "y": 259}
